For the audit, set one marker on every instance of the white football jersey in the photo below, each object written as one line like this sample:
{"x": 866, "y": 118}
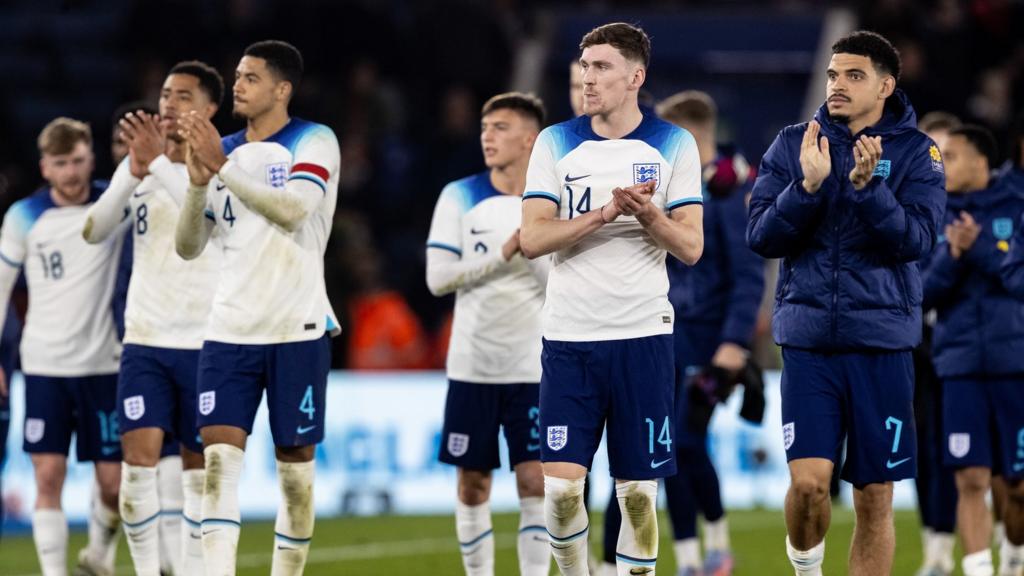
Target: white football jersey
{"x": 612, "y": 285}
{"x": 496, "y": 332}
{"x": 69, "y": 329}
{"x": 271, "y": 287}
{"x": 169, "y": 298}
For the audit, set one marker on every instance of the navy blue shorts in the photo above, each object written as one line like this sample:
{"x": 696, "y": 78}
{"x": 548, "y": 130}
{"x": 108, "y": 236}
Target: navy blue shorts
{"x": 157, "y": 389}
{"x": 865, "y": 398}
{"x": 630, "y": 384}
{"x": 232, "y": 378}
{"x": 474, "y": 412}
{"x": 984, "y": 423}
{"x": 86, "y": 406}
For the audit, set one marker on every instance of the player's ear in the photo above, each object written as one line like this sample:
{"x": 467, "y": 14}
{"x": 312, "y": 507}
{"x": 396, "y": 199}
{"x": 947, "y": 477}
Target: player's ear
{"x": 284, "y": 90}
{"x": 639, "y": 75}
{"x": 888, "y": 87}
{"x": 211, "y": 110}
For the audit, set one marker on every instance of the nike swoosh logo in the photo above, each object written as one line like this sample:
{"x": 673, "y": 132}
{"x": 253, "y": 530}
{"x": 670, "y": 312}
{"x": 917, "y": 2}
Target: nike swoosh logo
{"x": 539, "y": 539}
{"x": 658, "y": 464}
{"x": 890, "y": 464}
{"x": 194, "y": 537}
{"x": 221, "y": 187}
{"x": 532, "y": 447}
{"x": 304, "y": 429}
{"x": 141, "y": 194}
{"x": 206, "y": 532}
{"x": 474, "y": 231}
{"x": 572, "y": 179}
{"x": 108, "y": 450}
{"x": 286, "y": 548}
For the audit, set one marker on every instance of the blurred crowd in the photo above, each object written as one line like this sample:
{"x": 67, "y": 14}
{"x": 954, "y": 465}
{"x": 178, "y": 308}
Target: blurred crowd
{"x": 401, "y": 83}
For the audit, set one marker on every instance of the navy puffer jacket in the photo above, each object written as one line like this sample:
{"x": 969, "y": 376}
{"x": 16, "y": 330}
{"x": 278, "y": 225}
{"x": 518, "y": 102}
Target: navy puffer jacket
{"x": 980, "y": 327}
{"x": 849, "y": 279}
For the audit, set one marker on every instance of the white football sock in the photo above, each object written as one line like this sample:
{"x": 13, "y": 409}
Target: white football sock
{"x": 806, "y": 562}
{"x": 191, "y": 526}
{"x": 104, "y": 529}
{"x": 978, "y": 564}
{"x": 293, "y": 529}
{"x": 942, "y": 550}
{"x": 476, "y": 538}
{"x": 637, "y": 547}
{"x": 567, "y": 523}
{"x": 687, "y": 553}
{"x": 140, "y": 509}
{"x": 222, "y": 521}
{"x": 50, "y": 533}
{"x": 1011, "y": 559}
{"x": 534, "y": 548}
{"x": 168, "y": 477}
{"x": 716, "y": 535}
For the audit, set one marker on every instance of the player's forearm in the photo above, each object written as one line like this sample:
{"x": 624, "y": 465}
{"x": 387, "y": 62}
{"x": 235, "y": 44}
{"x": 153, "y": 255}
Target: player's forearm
{"x": 109, "y": 210}
{"x": 171, "y": 179}
{"x": 541, "y": 235}
{"x": 682, "y": 239}
{"x": 287, "y": 207}
{"x": 191, "y": 233}
{"x": 446, "y": 273}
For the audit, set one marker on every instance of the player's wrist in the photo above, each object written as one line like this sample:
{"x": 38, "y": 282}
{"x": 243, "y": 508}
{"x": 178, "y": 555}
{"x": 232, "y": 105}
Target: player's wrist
{"x": 605, "y": 220}
{"x": 810, "y": 187}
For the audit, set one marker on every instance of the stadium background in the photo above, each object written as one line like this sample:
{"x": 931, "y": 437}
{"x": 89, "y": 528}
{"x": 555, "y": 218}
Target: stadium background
{"x": 401, "y": 82}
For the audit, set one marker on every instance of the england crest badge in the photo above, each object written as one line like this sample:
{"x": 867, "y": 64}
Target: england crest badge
{"x": 458, "y": 444}
{"x": 134, "y": 407}
{"x": 959, "y": 444}
{"x": 207, "y": 402}
{"x": 644, "y": 172}
{"x": 788, "y": 435}
{"x": 558, "y": 436}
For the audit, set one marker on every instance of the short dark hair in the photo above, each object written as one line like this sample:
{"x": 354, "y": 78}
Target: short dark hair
{"x": 938, "y": 120}
{"x": 880, "y": 51}
{"x": 282, "y": 58}
{"x": 689, "y": 106}
{"x": 210, "y": 81}
{"x": 631, "y": 41}
{"x": 982, "y": 140}
{"x": 526, "y": 104}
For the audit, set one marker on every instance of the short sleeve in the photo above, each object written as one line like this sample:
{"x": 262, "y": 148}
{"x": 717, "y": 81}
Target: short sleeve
{"x": 541, "y": 178}
{"x": 16, "y": 225}
{"x": 685, "y": 185}
{"x": 317, "y": 158}
{"x": 446, "y": 225}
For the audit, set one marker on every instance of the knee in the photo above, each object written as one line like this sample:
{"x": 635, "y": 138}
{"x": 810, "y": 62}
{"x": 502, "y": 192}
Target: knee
{"x": 1015, "y": 493}
{"x": 563, "y": 497}
{"x": 873, "y": 502}
{"x": 530, "y": 483}
{"x": 49, "y": 481}
{"x": 974, "y": 481}
{"x": 808, "y": 489}
{"x": 474, "y": 488}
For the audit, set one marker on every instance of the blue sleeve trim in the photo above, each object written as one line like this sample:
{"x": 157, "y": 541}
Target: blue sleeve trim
{"x": 292, "y": 540}
{"x": 544, "y": 195}
{"x": 9, "y": 262}
{"x": 312, "y": 179}
{"x": 683, "y": 202}
{"x": 444, "y": 247}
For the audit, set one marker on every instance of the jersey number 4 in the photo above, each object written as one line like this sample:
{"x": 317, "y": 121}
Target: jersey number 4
{"x": 581, "y": 206}
{"x": 229, "y": 214}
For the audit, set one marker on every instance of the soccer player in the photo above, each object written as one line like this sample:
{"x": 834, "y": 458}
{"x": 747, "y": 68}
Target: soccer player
{"x": 69, "y": 348}
{"x": 850, "y": 202}
{"x": 936, "y": 487}
{"x": 167, "y": 308}
{"x": 608, "y": 194}
{"x": 271, "y": 201}
{"x": 979, "y": 335}
{"x": 716, "y": 303}
{"x": 494, "y": 356}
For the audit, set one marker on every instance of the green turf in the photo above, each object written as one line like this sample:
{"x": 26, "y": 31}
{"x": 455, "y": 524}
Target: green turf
{"x": 425, "y": 545}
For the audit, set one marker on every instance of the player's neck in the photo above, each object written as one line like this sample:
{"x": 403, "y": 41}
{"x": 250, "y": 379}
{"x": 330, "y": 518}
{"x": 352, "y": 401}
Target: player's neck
{"x": 266, "y": 125}
{"x": 617, "y": 123}
{"x": 510, "y": 179}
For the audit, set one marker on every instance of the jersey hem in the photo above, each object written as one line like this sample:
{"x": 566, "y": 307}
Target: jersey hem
{"x": 156, "y": 343}
{"x": 264, "y": 340}
{"x": 599, "y": 336}
{"x": 503, "y": 380}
